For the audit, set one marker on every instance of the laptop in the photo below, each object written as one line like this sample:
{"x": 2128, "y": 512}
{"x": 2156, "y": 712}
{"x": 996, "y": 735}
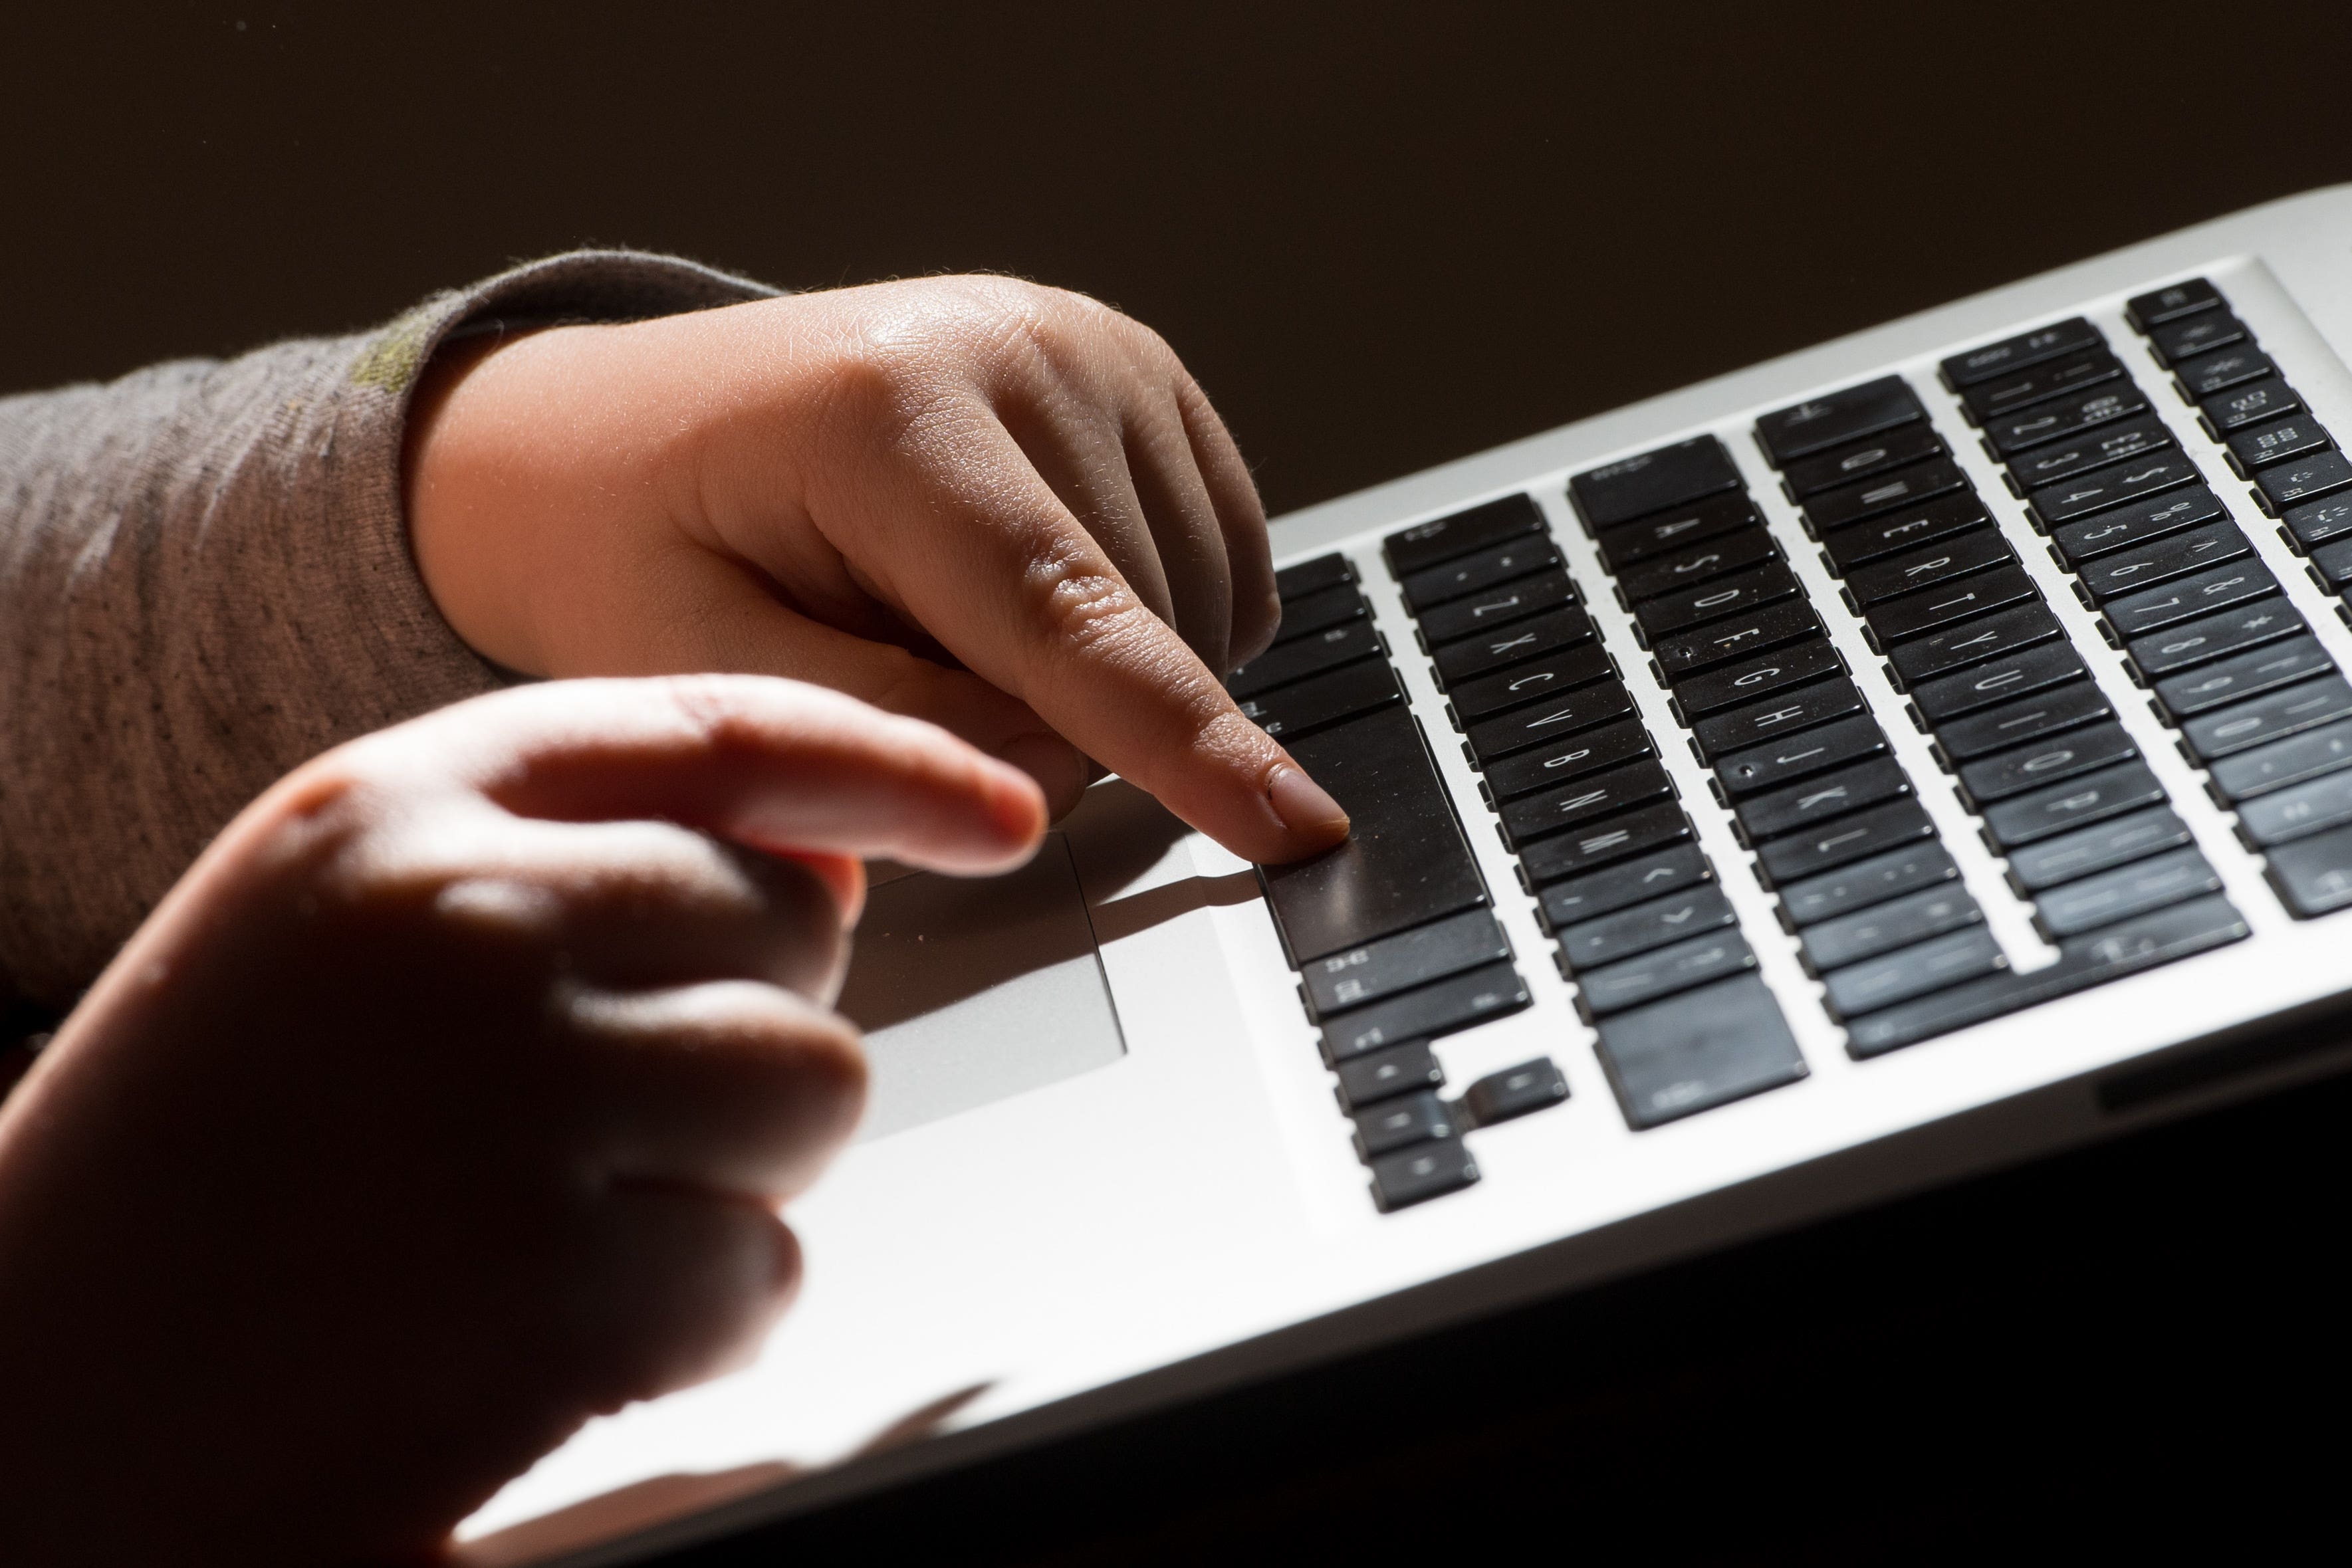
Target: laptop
{"x": 1903, "y": 758}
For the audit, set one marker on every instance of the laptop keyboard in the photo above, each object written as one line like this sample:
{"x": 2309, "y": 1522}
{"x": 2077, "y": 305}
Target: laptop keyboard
{"x": 1394, "y": 934}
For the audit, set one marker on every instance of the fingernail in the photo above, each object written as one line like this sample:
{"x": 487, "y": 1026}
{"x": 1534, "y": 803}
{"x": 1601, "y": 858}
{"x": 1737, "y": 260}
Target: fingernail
{"x": 1304, "y": 806}
{"x": 1059, "y": 769}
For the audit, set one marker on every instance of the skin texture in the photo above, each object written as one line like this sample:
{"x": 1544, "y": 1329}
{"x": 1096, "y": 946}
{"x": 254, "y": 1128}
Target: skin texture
{"x": 445, "y": 1103}
{"x": 1003, "y": 508}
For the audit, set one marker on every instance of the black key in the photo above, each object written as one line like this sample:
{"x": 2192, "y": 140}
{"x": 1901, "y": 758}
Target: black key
{"x": 2313, "y": 876}
{"x": 2281, "y": 441}
{"x": 2201, "y": 378}
{"x": 1432, "y": 1010}
{"x": 1611, "y": 838}
{"x": 2243, "y": 675}
{"x": 2176, "y": 555}
{"x": 2136, "y": 524}
{"x": 1479, "y": 612}
{"x": 2067, "y": 756}
{"x": 1847, "y": 464}
{"x": 2044, "y": 665}
{"x": 1422, "y": 1118}
{"x": 2136, "y": 615}
{"x": 1837, "y": 508}
{"x": 1973, "y": 642}
{"x": 1417, "y": 1175}
{"x": 1324, "y": 699}
{"x": 2033, "y": 867}
{"x": 1581, "y": 801}
{"x": 2104, "y": 487}
{"x": 1916, "y": 614}
{"x": 1425, "y": 545}
{"x": 1692, "y": 912}
{"x": 2094, "y": 449}
{"x": 1508, "y": 644}
{"x": 1586, "y": 752}
{"x": 1897, "y": 923}
{"x": 1405, "y": 864}
{"x": 1844, "y": 840}
{"x": 1320, "y": 611}
{"x": 1628, "y": 543}
{"x": 1801, "y": 754}
{"x": 1621, "y": 886}
{"x": 1730, "y": 639}
{"x": 1755, "y": 677}
{"x": 1614, "y": 988}
{"x": 1540, "y": 722}
{"x": 1867, "y": 883}
{"x": 2126, "y": 891}
{"x": 2044, "y": 813}
{"x": 1698, "y": 1051}
{"x": 2170, "y": 303}
{"x": 1636, "y": 487}
{"x": 1303, "y": 656}
{"x": 2061, "y": 417}
{"x": 1471, "y": 573}
{"x": 2283, "y": 486}
{"x": 1354, "y": 975}
{"x": 1385, "y": 1074}
{"x": 1313, "y": 576}
{"x": 1782, "y": 714}
{"x": 2298, "y": 810}
{"x": 1519, "y": 1091}
{"x": 1728, "y": 595}
{"x": 2200, "y": 641}
{"x": 1532, "y": 682}
{"x": 2200, "y": 334}
{"x": 1914, "y": 971}
{"x": 1797, "y": 807}
{"x": 2283, "y": 762}
{"x": 2055, "y": 378}
{"x": 2026, "y": 349}
{"x": 2332, "y": 565}
{"x": 2314, "y": 523}
{"x": 2252, "y": 404}
{"x": 1921, "y": 568}
{"x": 2271, "y": 716}
{"x": 1819, "y": 423}
{"x": 1848, "y": 547}
{"x": 2022, "y": 721}
{"x": 1696, "y": 563}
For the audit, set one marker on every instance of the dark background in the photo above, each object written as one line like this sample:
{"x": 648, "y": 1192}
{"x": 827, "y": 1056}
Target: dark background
{"x": 1382, "y": 237}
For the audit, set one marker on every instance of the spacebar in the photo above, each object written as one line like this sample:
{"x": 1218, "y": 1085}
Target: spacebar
{"x": 1404, "y": 862}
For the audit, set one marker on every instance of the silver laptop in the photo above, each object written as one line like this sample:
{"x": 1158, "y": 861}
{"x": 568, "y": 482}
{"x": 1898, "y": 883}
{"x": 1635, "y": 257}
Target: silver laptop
{"x": 1898, "y": 759}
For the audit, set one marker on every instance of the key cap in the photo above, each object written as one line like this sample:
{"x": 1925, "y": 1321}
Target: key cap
{"x": 1614, "y": 988}
{"x": 1967, "y": 370}
{"x": 1586, "y": 752}
{"x": 2332, "y": 565}
{"x": 1303, "y": 656}
{"x": 2061, "y": 417}
{"x": 2201, "y": 378}
{"x": 1319, "y": 612}
{"x": 1798, "y": 756}
{"x": 1417, "y": 1175}
{"x": 1354, "y": 975}
{"x": 2312, "y": 876}
{"x": 2023, "y": 819}
{"x": 2201, "y": 334}
{"x": 2112, "y": 486}
{"x": 2314, "y": 523}
{"x": 1801, "y": 855}
{"x": 1477, "y": 613}
{"x": 1405, "y": 864}
{"x": 1973, "y": 642}
{"x": 1736, "y": 637}
{"x": 1797, "y": 807}
{"x": 1425, "y": 545}
{"x": 1312, "y": 576}
{"x": 1914, "y": 971}
{"x": 2268, "y": 717}
{"x": 1636, "y": 487}
{"x": 2126, "y": 891}
{"x": 2067, "y": 756}
{"x": 1883, "y": 928}
{"x": 2057, "y": 377}
{"x": 1833, "y": 509}
{"x": 1848, "y": 464}
{"x": 1471, "y": 573}
{"x": 1628, "y": 543}
{"x": 1422, "y": 1118}
{"x": 1848, "y": 414}
{"x": 1435, "y": 1009}
{"x": 1325, "y": 699}
{"x": 1505, "y": 646}
{"x": 1624, "y": 884}
{"x": 2201, "y": 641}
{"x": 2176, "y": 555}
{"x": 2046, "y": 865}
{"x": 1582, "y": 799}
{"x": 2251, "y": 403}
{"x": 2281, "y": 441}
{"x": 2283, "y": 486}
{"x": 1915, "y": 615}
{"x": 1696, "y": 563}
{"x": 1385, "y": 1074}
{"x": 1691, "y": 912}
{"x": 2243, "y": 675}
{"x": 1784, "y": 714}
{"x": 1902, "y": 529}
{"x": 2136, "y": 615}
{"x": 1693, "y": 1052}
{"x": 2023, "y": 721}
{"x": 2094, "y": 449}
{"x": 1611, "y": 838}
{"x": 2291, "y": 812}
{"x": 2036, "y": 668}
{"x": 1866, "y": 883}
{"x": 1745, "y": 679}
{"x": 1922, "y": 569}
{"x": 2283, "y": 762}
{"x": 1533, "y": 680}
{"x": 1520, "y": 1091}
{"x": 2136, "y": 524}
{"x": 2170, "y": 303}
{"x": 1540, "y": 722}
{"x": 1713, "y": 600}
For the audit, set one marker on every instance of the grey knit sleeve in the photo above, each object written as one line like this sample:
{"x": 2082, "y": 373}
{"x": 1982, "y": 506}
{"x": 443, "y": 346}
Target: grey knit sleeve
{"x": 204, "y": 579}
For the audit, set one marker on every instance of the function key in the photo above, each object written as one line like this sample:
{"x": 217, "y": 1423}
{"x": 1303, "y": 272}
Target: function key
{"x": 1425, "y": 545}
{"x": 1848, "y": 464}
{"x": 2281, "y": 441}
{"x": 2200, "y": 334}
{"x": 1309, "y": 576}
{"x": 2061, "y": 417}
{"x": 2153, "y": 309}
{"x": 1698, "y": 1051}
{"x": 1515, "y": 1091}
{"x": 2314, "y": 523}
{"x": 2269, "y": 398}
{"x": 2201, "y": 378}
{"x": 1627, "y": 543}
{"x": 2283, "y": 486}
{"x": 1819, "y": 423}
{"x": 1496, "y": 606}
{"x": 1635, "y": 487}
{"x": 1979, "y": 365}
{"x": 2281, "y": 763}
{"x": 2297, "y": 811}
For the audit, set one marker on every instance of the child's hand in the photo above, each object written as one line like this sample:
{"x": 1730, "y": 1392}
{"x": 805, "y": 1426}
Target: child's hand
{"x": 444, "y": 1103}
{"x": 867, "y": 488}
